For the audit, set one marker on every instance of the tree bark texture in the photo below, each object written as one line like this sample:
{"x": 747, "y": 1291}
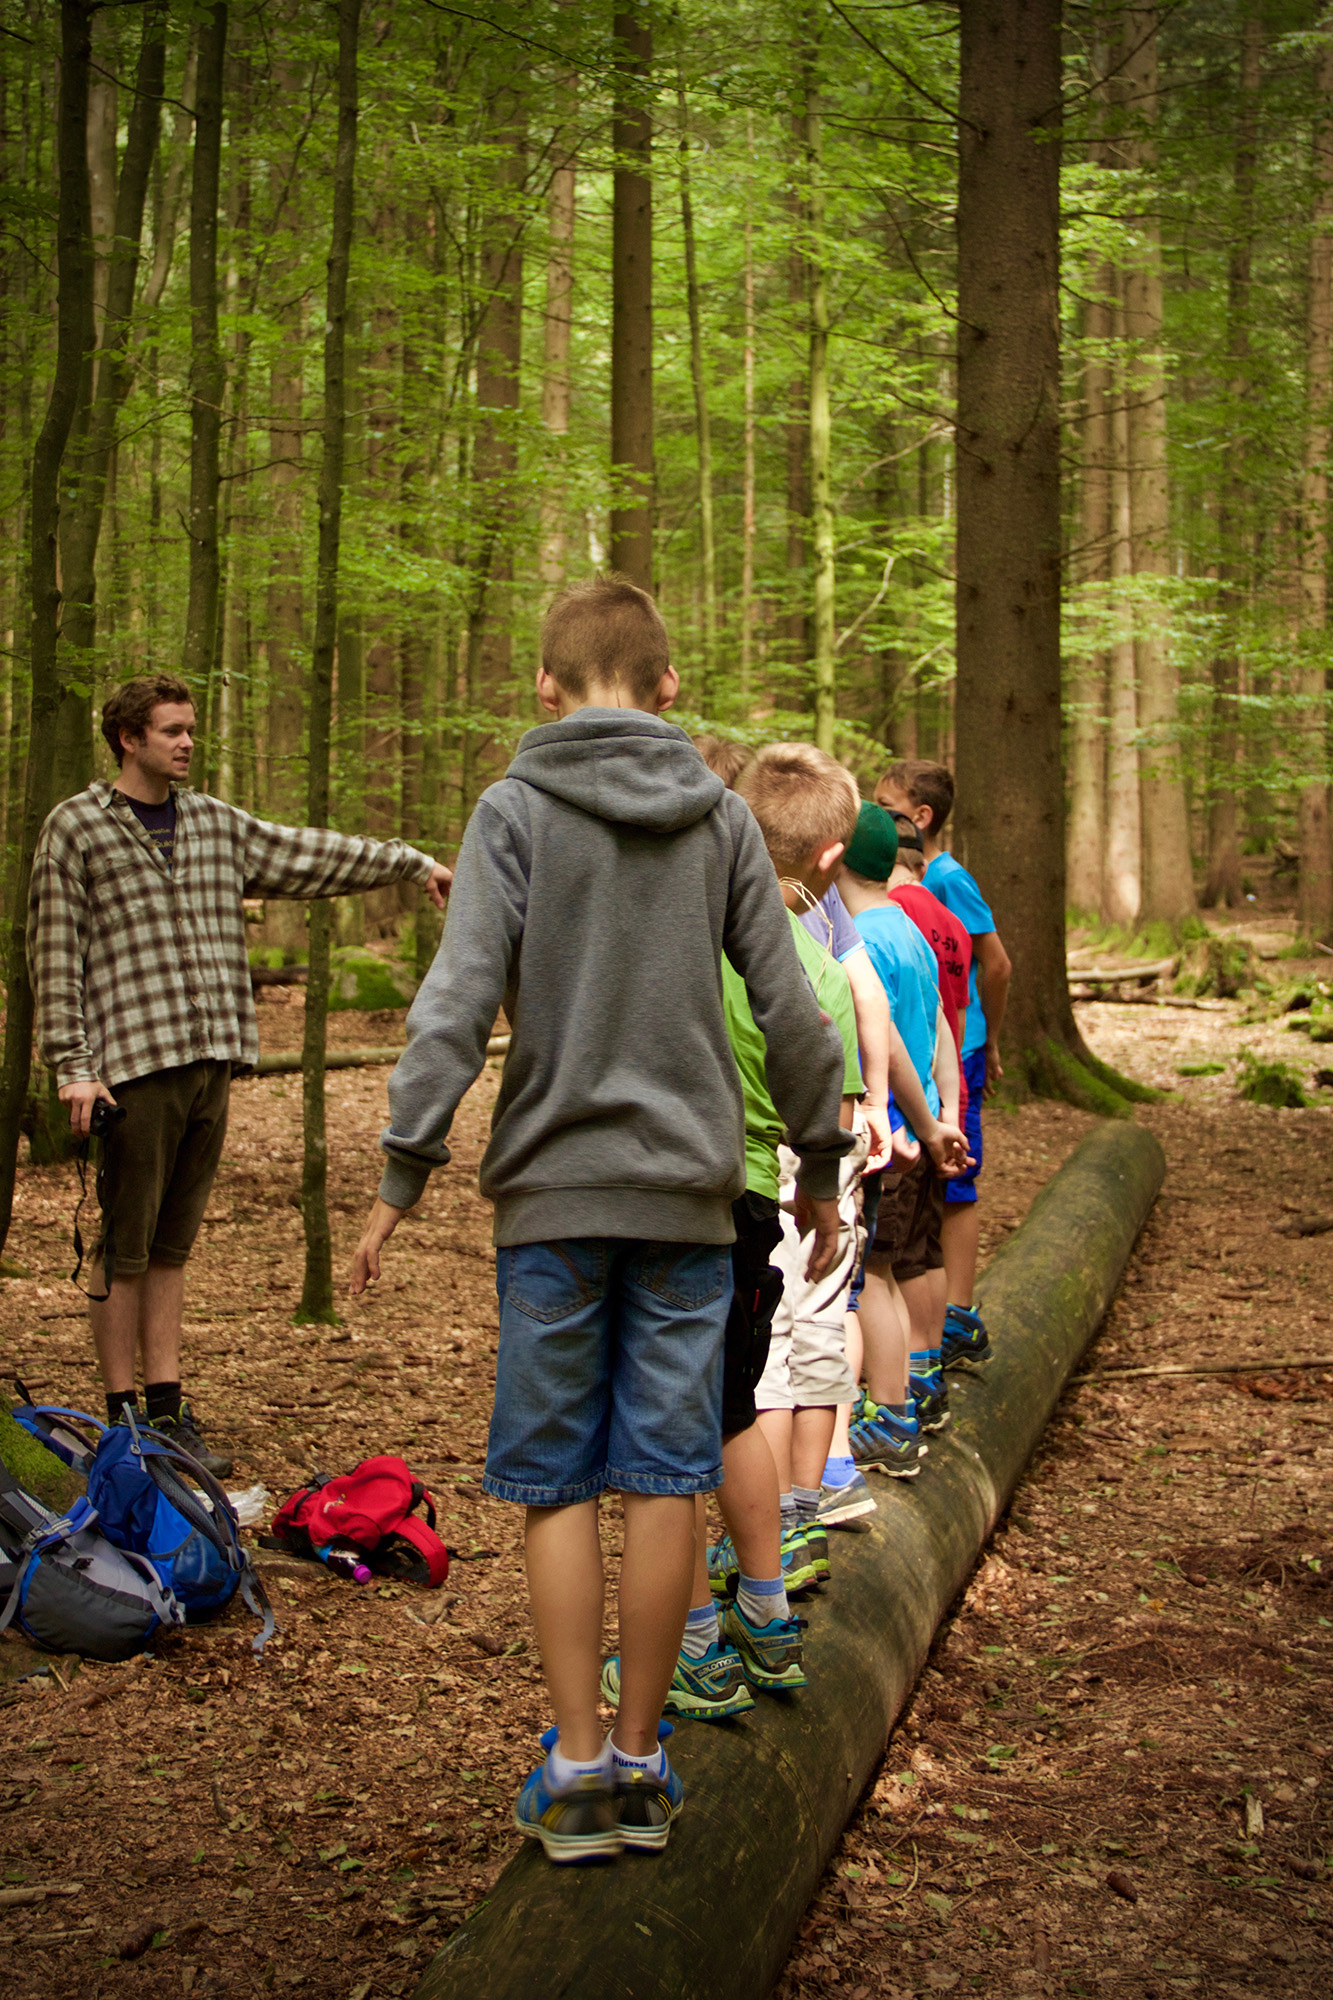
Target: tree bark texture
{"x": 1168, "y": 873}
{"x": 206, "y": 375}
{"x": 632, "y": 305}
{"x": 557, "y": 324}
{"x": 748, "y": 467}
{"x": 1314, "y": 900}
{"x": 1085, "y": 836}
{"x": 821, "y": 429}
{"x": 111, "y": 378}
{"x": 1222, "y": 883}
{"x": 1121, "y": 872}
{"x": 317, "y": 1290}
{"x": 1010, "y": 816}
{"x": 702, "y": 428}
{"x": 74, "y": 339}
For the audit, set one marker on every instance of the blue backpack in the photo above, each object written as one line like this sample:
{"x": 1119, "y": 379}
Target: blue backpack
{"x": 66, "y": 1588}
{"x": 153, "y": 1499}
{"x": 71, "y": 1434}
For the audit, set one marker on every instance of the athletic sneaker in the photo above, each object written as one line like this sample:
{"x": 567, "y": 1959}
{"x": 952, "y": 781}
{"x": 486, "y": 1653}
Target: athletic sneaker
{"x": 706, "y": 1690}
{"x": 816, "y": 1540}
{"x": 647, "y": 1804}
{"x": 890, "y": 1442}
{"x": 798, "y": 1572}
{"x": 965, "y": 1337}
{"x": 579, "y": 1822}
{"x": 185, "y": 1432}
{"x": 839, "y": 1505}
{"x": 930, "y": 1394}
{"x": 772, "y": 1653}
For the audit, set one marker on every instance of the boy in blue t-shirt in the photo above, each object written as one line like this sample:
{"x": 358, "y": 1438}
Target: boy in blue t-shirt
{"x": 924, "y": 793}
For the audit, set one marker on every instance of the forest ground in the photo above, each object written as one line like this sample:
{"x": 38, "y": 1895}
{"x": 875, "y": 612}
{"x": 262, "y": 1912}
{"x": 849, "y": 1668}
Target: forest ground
{"x": 1141, "y": 1660}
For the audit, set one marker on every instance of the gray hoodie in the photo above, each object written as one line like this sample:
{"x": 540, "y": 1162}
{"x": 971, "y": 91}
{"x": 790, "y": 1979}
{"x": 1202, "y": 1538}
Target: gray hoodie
{"x": 598, "y": 884}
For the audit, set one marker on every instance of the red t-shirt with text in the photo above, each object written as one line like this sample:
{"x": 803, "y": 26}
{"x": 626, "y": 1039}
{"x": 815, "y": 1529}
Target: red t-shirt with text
{"x": 952, "y": 948}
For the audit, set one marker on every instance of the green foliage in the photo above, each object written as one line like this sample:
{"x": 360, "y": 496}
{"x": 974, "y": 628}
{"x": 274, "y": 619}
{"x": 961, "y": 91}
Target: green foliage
{"x": 1050, "y": 1070}
{"x": 1200, "y": 1069}
{"x": 1275, "y": 1084}
{"x": 362, "y": 980}
{"x": 1219, "y": 966}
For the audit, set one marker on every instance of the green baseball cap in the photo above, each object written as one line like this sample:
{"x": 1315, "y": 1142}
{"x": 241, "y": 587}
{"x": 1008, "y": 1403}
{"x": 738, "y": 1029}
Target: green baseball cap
{"x": 874, "y": 846}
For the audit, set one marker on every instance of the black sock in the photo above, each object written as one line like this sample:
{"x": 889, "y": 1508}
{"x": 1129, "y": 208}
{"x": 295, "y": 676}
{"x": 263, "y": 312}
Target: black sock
{"x": 163, "y": 1400}
{"x": 114, "y": 1403}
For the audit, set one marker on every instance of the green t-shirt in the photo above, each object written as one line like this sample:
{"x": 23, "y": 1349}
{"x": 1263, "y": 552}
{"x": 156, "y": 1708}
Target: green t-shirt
{"x": 763, "y": 1127}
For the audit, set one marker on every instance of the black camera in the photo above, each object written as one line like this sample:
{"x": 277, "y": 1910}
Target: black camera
{"x": 103, "y": 1118}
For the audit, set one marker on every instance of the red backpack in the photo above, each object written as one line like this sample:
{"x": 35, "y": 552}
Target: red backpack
{"x": 373, "y": 1508}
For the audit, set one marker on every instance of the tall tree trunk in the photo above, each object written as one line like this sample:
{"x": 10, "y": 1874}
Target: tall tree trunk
{"x": 707, "y": 700}
{"x": 821, "y": 440}
{"x": 317, "y": 1290}
{"x": 1314, "y": 899}
{"x": 1085, "y": 837}
{"x": 74, "y": 339}
{"x": 1010, "y": 820}
{"x": 800, "y": 635}
{"x": 1122, "y": 879}
{"x": 632, "y": 304}
{"x": 748, "y": 470}
{"x": 1168, "y": 874}
{"x": 557, "y": 324}
{"x": 1223, "y": 882}
{"x": 206, "y": 377}
{"x": 81, "y": 517}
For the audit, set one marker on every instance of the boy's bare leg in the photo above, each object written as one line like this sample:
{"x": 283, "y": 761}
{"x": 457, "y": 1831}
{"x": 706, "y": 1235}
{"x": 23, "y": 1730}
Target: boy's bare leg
{"x": 776, "y": 1426}
{"x": 841, "y": 1446}
{"x": 161, "y": 1307}
{"x": 566, "y": 1589}
{"x": 701, "y": 1590}
{"x": 656, "y": 1573}
{"x": 812, "y": 1434}
{"x": 143, "y": 1311}
{"x": 926, "y": 1298}
{"x": 748, "y": 1498}
{"x": 960, "y": 1239}
{"x": 887, "y": 1337}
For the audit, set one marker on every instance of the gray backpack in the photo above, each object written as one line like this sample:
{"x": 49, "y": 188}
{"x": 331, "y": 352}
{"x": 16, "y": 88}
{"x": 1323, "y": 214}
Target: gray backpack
{"x": 69, "y": 1590}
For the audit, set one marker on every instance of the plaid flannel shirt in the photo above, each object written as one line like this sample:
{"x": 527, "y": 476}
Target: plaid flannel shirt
{"x": 135, "y": 969}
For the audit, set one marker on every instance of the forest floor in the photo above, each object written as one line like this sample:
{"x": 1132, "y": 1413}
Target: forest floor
{"x": 1113, "y": 1778}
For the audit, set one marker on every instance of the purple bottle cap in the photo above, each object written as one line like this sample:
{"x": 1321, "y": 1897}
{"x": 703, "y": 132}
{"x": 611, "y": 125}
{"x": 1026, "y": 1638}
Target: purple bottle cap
{"x": 361, "y": 1574}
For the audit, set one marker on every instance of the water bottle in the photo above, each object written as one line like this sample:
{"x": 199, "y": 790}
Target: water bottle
{"x": 344, "y": 1559}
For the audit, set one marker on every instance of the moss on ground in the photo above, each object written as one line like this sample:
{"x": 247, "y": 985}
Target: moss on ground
{"x": 37, "y": 1470}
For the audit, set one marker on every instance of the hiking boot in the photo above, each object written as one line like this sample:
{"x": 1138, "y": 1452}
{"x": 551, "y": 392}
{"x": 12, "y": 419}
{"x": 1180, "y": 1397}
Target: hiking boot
{"x": 930, "y": 1395}
{"x": 648, "y": 1804}
{"x": 772, "y": 1653}
{"x": 892, "y": 1443}
{"x": 185, "y": 1432}
{"x": 965, "y": 1337}
{"x": 706, "y": 1690}
{"x": 840, "y": 1505}
{"x": 816, "y": 1540}
{"x": 578, "y": 1822}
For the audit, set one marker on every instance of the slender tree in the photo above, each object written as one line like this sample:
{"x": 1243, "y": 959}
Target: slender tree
{"x": 1314, "y": 905}
{"x": 557, "y": 325}
{"x": 317, "y": 1291}
{"x": 74, "y": 339}
{"x": 702, "y": 427}
{"x": 1122, "y": 873}
{"x": 821, "y": 432}
{"x": 1087, "y": 735}
{"x": 632, "y": 506}
{"x": 206, "y": 374}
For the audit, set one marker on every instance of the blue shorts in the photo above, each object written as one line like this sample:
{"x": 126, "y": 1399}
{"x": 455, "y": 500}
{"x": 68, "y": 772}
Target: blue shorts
{"x": 609, "y": 1371}
{"x": 974, "y": 1071}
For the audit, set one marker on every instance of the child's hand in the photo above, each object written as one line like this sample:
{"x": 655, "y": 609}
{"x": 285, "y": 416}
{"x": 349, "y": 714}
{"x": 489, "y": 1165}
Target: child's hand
{"x": 820, "y": 1219}
{"x": 947, "y": 1147}
{"x": 366, "y": 1259}
{"x": 881, "y": 1136}
{"x": 906, "y": 1152}
{"x": 994, "y": 1070}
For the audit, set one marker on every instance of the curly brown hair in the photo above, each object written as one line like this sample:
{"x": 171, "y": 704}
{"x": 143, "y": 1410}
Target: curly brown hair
{"x": 131, "y": 707}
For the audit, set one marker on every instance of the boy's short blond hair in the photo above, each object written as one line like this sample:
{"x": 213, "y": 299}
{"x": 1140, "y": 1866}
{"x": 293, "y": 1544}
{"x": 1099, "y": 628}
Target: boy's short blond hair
{"x": 726, "y": 760}
{"x": 605, "y": 633}
{"x": 804, "y": 800}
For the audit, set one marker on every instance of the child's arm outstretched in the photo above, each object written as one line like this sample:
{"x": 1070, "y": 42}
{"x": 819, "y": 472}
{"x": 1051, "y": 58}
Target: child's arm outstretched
{"x": 448, "y": 1026}
{"x": 953, "y": 1156}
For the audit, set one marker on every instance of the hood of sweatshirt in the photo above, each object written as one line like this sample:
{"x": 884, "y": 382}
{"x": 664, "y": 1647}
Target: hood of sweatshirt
{"x": 621, "y": 765}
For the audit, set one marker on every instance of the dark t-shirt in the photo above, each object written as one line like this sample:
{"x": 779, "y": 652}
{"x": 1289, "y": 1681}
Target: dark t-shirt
{"x": 159, "y": 823}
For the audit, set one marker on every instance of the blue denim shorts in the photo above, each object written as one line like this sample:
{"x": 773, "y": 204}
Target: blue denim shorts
{"x": 609, "y": 1371}
{"x": 964, "y": 1188}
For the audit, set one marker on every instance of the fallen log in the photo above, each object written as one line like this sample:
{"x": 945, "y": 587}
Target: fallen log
{"x": 1123, "y": 975}
{"x": 286, "y": 1062}
{"x": 768, "y": 1797}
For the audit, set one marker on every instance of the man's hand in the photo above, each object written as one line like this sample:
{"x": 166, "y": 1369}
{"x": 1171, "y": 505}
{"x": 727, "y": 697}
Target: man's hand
{"x": 881, "y": 1135}
{"x": 366, "y": 1259}
{"x": 947, "y": 1146}
{"x": 994, "y": 1070}
{"x": 438, "y": 884}
{"x": 81, "y": 1098}
{"x": 821, "y": 1219}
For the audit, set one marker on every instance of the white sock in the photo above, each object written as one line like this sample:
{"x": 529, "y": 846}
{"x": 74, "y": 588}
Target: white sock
{"x": 563, "y": 1771}
{"x": 656, "y": 1763}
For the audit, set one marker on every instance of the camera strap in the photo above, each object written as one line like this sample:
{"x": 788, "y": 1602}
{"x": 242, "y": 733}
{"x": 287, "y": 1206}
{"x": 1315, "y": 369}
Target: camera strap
{"x": 108, "y": 1258}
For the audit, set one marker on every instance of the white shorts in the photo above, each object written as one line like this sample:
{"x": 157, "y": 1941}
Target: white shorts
{"x": 807, "y": 1352}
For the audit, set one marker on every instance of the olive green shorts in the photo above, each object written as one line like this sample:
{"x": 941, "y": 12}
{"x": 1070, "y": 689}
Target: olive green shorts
{"x": 158, "y": 1164}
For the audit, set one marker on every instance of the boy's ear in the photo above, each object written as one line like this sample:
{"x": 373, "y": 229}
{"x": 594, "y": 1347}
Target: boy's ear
{"x": 667, "y": 690}
{"x": 828, "y": 859}
{"x": 548, "y": 691}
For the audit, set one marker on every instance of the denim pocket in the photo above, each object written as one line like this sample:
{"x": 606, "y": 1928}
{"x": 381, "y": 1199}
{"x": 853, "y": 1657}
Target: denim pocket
{"x": 552, "y": 1281}
{"x": 684, "y": 1275}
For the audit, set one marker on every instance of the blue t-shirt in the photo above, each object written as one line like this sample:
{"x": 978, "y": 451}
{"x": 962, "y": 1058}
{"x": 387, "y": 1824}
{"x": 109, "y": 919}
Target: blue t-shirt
{"x": 909, "y": 975}
{"x": 835, "y": 929}
{"x": 956, "y": 889}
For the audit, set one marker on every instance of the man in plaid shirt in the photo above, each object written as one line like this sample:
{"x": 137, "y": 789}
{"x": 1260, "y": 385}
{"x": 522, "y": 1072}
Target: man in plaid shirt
{"x": 136, "y": 944}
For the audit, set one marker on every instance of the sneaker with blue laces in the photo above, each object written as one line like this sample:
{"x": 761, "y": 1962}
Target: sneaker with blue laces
{"x": 648, "y": 1802}
{"x": 839, "y": 1505}
{"x": 773, "y": 1654}
{"x": 578, "y": 1822}
{"x": 799, "y": 1577}
{"x": 706, "y": 1690}
{"x": 965, "y": 1337}
{"x": 890, "y": 1442}
{"x": 930, "y": 1394}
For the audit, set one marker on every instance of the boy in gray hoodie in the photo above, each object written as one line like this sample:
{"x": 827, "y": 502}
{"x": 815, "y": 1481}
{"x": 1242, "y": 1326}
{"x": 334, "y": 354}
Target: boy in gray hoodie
{"x": 598, "y": 884}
